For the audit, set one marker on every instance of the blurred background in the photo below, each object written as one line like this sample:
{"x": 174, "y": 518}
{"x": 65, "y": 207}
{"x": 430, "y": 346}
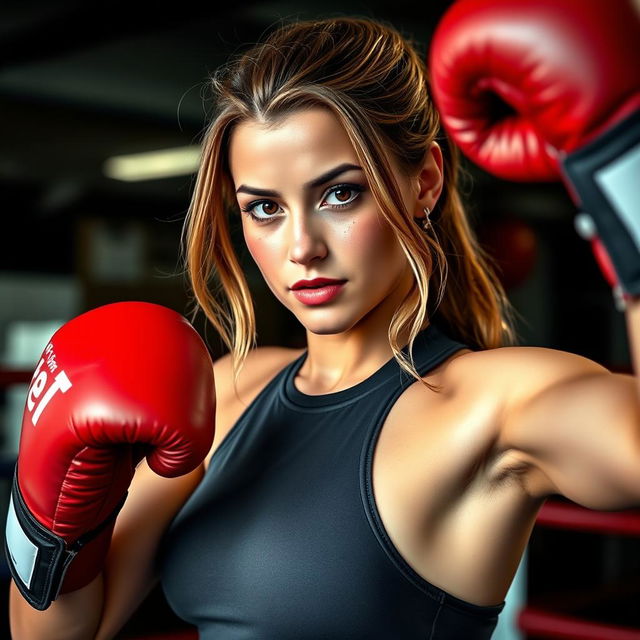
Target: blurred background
{"x": 102, "y": 108}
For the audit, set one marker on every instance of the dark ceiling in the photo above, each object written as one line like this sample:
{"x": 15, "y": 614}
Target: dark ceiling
{"x": 80, "y": 82}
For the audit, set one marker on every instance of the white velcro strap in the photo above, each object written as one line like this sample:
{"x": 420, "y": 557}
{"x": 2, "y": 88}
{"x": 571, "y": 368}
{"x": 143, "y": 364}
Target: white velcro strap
{"x": 604, "y": 174}
{"x": 22, "y": 552}
{"x": 619, "y": 182}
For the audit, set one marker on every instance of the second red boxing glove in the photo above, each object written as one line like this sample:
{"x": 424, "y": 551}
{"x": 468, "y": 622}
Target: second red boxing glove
{"x": 114, "y": 384}
{"x": 547, "y": 89}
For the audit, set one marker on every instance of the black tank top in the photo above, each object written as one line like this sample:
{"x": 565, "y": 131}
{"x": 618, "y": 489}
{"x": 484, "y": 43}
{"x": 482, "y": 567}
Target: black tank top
{"x": 282, "y": 539}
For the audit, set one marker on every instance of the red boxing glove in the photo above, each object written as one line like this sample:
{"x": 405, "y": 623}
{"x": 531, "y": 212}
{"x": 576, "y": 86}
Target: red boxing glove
{"x": 114, "y": 384}
{"x": 547, "y": 88}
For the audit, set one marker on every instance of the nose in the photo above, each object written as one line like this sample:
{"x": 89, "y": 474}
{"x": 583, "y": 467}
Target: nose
{"x": 306, "y": 237}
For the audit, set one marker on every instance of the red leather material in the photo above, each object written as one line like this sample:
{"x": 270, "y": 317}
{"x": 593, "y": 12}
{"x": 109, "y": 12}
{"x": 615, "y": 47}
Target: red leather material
{"x": 518, "y": 82}
{"x": 113, "y": 384}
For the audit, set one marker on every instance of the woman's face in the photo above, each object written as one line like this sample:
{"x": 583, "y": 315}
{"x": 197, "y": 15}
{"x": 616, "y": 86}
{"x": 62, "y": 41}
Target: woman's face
{"x": 310, "y": 227}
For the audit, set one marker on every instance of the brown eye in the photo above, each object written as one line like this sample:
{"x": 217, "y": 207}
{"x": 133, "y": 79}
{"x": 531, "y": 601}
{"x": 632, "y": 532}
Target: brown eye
{"x": 259, "y": 212}
{"x": 269, "y": 207}
{"x": 344, "y": 194}
{"x": 340, "y": 192}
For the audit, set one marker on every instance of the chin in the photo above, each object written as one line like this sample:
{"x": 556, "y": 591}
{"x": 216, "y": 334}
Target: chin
{"x": 332, "y": 326}
{"x": 325, "y": 327}
{"x": 324, "y": 332}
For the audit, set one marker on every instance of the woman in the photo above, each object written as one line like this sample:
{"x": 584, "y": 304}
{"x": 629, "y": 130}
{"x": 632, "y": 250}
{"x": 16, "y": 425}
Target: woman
{"x": 382, "y": 482}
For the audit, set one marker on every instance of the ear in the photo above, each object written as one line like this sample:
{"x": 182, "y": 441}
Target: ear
{"x": 430, "y": 179}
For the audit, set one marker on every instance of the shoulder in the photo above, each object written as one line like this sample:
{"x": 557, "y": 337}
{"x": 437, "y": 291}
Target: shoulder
{"x": 514, "y": 378}
{"x": 497, "y": 384}
{"x": 518, "y": 373}
{"x": 258, "y": 368}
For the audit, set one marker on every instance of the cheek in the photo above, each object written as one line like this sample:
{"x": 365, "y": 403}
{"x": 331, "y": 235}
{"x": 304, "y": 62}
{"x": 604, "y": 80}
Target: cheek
{"x": 259, "y": 249}
{"x": 256, "y": 249}
{"x": 367, "y": 240}
{"x": 265, "y": 260}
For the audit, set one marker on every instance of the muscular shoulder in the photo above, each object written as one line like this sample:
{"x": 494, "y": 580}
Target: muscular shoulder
{"x": 509, "y": 378}
{"x": 518, "y": 373}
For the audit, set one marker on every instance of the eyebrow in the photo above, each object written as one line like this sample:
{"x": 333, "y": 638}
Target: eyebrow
{"x": 316, "y": 182}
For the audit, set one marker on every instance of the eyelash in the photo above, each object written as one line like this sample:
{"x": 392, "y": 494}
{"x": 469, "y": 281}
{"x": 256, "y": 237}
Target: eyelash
{"x": 349, "y": 187}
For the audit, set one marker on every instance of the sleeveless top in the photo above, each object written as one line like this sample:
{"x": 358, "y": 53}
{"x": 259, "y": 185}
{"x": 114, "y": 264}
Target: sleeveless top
{"x": 282, "y": 539}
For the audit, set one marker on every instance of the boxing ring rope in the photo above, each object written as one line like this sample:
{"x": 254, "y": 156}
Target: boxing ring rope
{"x": 572, "y": 516}
{"x": 545, "y": 623}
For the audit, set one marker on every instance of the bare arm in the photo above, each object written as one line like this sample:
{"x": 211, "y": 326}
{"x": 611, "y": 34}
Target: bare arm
{"x": 575, "y": 431}
{"x": 72, "y": 616}
{"x": 99, "y": 610}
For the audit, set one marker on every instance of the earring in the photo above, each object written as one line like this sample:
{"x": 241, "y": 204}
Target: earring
{"x": 426, "y": 223}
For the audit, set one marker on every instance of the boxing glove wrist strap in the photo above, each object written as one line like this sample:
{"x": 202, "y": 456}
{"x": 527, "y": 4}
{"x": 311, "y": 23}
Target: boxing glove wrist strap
{"x": 604, "y": 175}
{"x": 38, "y": 558}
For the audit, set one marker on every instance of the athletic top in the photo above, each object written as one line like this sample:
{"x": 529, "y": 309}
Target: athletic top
{"x": 282, "y": 539}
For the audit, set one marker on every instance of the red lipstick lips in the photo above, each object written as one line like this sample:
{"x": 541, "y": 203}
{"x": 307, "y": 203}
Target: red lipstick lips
{"x": 315, "y": 283}
{"x": 317, "y": 291}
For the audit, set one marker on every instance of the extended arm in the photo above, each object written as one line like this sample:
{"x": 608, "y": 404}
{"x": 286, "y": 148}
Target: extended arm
{"x": 572, "y": 428}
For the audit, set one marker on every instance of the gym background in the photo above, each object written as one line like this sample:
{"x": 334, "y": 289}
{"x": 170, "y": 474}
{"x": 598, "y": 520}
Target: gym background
{"x": 101, "y": 110}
